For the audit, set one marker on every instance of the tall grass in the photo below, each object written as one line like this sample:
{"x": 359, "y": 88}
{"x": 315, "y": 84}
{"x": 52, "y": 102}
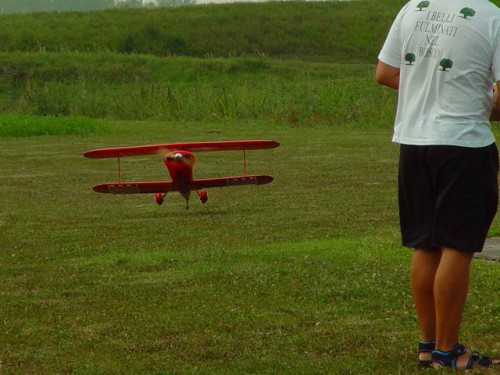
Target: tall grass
{"x": 193, "y": 89}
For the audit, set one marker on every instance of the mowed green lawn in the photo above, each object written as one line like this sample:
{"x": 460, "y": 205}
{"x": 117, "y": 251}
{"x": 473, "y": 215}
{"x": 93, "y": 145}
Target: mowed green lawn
{"x": 302, "y": 276}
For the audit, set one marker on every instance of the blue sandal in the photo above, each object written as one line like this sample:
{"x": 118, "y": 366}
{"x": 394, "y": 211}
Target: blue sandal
{"x": 450, "y": 358}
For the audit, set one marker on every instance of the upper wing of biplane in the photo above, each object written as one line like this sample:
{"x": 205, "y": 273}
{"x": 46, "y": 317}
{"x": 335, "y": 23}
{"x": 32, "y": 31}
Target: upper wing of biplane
{"x": 117, "y": 152}
{"x": 166, "y": 186}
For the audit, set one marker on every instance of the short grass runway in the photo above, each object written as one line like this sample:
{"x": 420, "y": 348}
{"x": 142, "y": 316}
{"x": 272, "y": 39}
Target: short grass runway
{"x": 302, "y": 276}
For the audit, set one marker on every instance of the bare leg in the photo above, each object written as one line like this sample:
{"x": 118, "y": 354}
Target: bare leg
{"x": 450, "y": 292}
{"x": 423, "y": 272}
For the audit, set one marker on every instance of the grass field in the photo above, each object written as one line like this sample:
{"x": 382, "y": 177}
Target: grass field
{"x": 301, "y": 276}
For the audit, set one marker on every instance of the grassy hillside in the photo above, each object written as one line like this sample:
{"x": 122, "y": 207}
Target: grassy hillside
{"x": 335, "y": 31}
{"x": 292, "y": 63}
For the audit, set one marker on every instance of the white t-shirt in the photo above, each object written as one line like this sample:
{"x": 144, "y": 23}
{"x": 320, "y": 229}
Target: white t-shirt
{"x": 448, "y": 52}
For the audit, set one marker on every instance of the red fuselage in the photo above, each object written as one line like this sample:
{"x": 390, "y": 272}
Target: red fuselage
{"x": 180, "y": 167}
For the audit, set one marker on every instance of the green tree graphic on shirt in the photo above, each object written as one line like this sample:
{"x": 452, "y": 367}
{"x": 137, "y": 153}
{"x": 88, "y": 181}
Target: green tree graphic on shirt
{"x": 410, "y": 58}
{"x": 467, "y": 12}
{"x": 446, "y": 64}
{"x": 423, "y": 4}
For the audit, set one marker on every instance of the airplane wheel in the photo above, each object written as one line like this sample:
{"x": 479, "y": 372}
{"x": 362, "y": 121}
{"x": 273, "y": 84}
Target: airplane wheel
{"x": 159, "y": 199}
{"x": 203, "y": 196}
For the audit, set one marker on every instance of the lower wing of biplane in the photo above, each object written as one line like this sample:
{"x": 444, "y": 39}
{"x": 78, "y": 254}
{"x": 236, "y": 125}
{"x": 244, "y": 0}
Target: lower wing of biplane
{"x": 167, "y": 186}
{"x": 179, "y": 161}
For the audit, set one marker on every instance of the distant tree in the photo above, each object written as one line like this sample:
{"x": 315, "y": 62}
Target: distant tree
{"x": 423, "y": 4}
{"x": 446, "y": 64}
{"x": 467, "y": 12}
{"x": 410, "y": 58}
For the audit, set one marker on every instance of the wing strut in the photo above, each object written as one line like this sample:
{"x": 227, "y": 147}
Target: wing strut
{"x": 119, "y": 170}
{"x": 244, "y": 163}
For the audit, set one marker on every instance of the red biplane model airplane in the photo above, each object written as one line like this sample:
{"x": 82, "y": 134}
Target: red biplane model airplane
{"x": 179, "y": 161}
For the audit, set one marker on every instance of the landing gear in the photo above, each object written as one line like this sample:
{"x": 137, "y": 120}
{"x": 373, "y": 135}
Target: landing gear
{"x": 159, "y": 197}
{"x": 203, "y": 196}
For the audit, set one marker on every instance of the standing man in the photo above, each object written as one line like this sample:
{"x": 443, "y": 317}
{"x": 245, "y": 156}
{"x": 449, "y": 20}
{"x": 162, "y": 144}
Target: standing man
{"x": 444, "y": 58}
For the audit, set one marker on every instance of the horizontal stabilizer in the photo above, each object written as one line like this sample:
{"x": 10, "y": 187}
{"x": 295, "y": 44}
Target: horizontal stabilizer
{"x": 117, "y": 152}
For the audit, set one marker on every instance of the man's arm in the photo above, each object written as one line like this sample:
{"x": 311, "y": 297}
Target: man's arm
{"x": 495, "y": 113}
{"x": 387, "y": 75}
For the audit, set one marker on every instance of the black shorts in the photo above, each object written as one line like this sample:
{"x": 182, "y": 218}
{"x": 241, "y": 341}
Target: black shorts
{"x": 448, "y": 196}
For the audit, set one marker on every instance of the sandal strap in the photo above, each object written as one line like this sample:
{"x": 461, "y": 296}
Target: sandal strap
{"x": 426, "y": 346}
{"x": 449, "y": 358}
